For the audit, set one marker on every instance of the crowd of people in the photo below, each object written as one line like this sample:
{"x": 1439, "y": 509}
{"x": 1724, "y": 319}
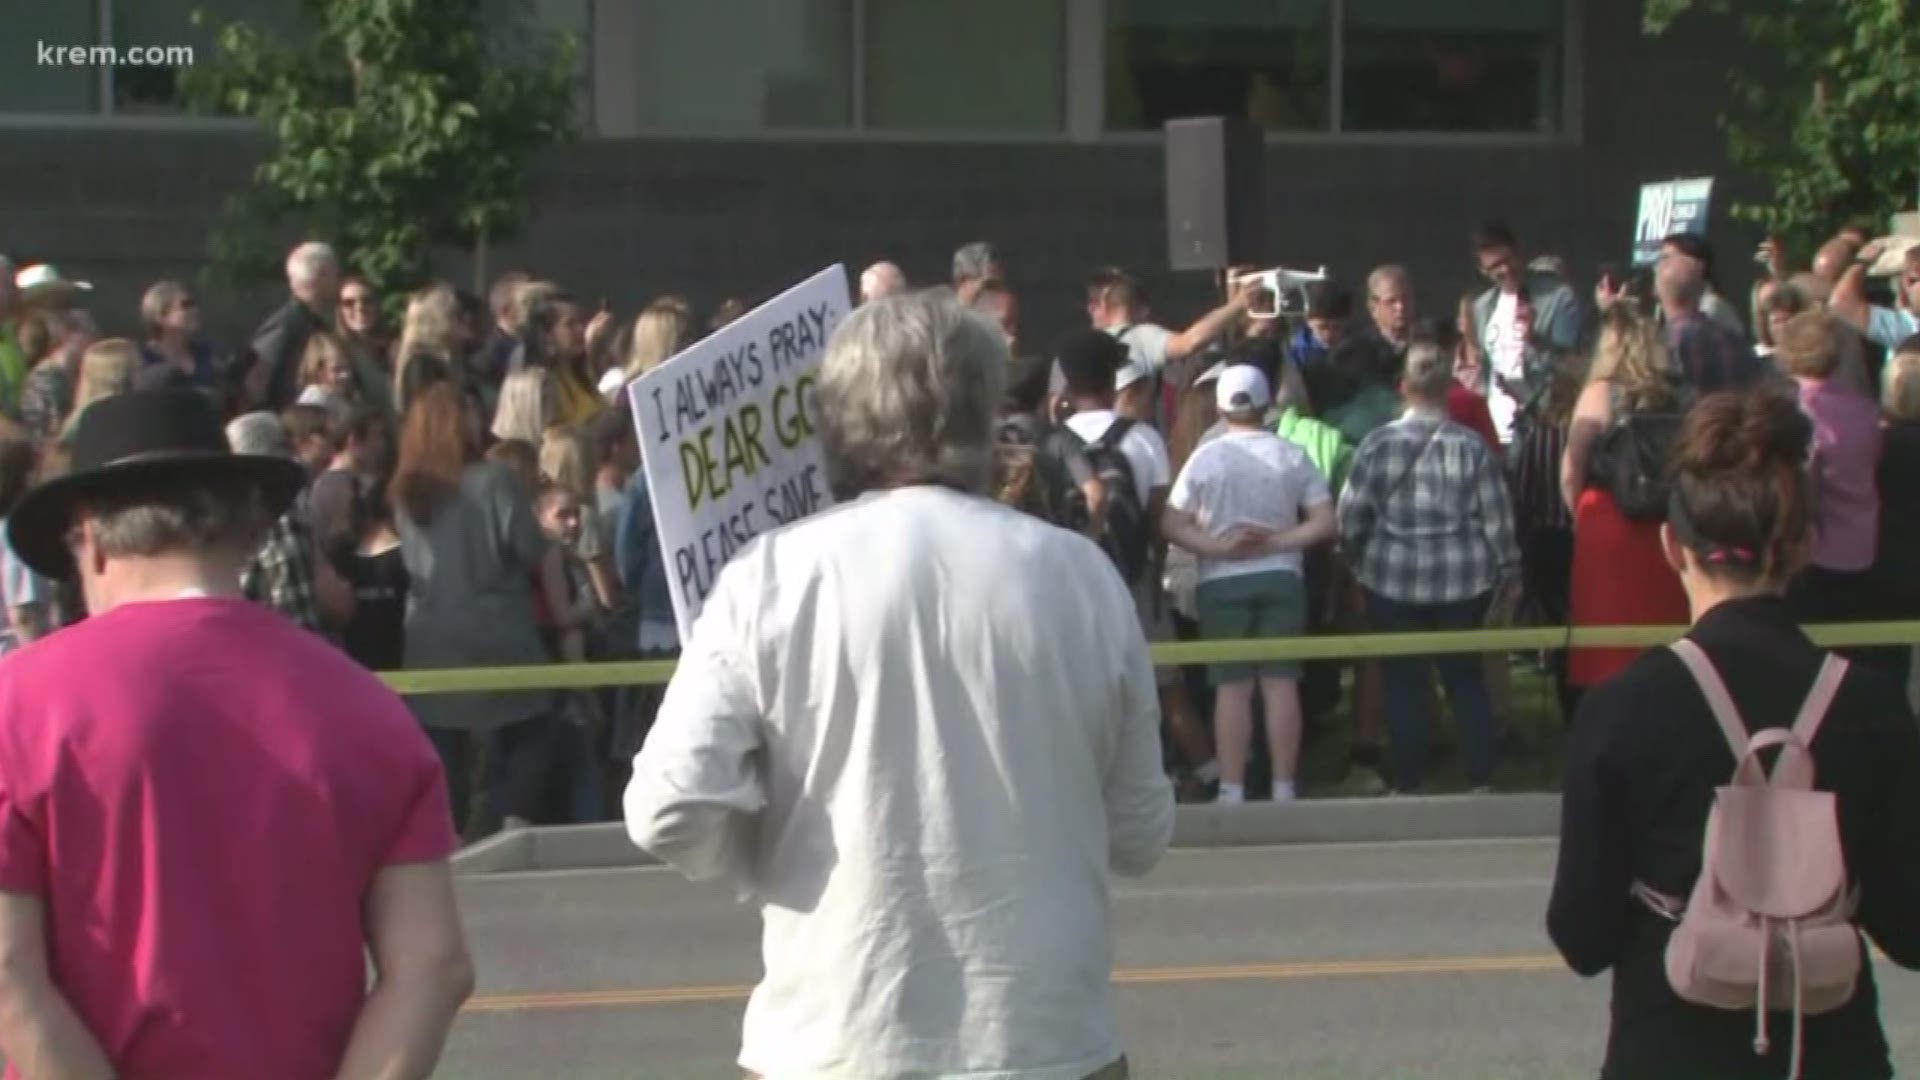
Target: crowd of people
{"x": 923, "y": 783}
{"x": 1377, "y": 470}
{"x": 470, "y": 499}
{"x": 924, "y": 787}
{"x": 475, "y": 496}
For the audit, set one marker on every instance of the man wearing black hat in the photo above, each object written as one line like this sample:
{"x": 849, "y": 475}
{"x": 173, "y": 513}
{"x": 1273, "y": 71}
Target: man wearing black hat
{"x": 208, "y": 817}
{"x": 1709, "y": 354}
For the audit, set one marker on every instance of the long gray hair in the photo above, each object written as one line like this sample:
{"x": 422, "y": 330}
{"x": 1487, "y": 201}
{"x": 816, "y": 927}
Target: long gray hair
{"x": 907, "y": 394}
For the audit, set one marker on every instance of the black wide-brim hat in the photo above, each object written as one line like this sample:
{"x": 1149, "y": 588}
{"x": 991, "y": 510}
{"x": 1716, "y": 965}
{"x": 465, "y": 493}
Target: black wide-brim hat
{"x": 131, "y": 441}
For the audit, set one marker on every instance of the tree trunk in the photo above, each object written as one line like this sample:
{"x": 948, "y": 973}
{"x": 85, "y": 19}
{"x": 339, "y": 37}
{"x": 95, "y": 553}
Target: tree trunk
{"x": 480, "y": 264}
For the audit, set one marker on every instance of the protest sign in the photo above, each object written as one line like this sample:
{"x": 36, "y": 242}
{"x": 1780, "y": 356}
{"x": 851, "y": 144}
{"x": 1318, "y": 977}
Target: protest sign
{"x": 727, "y": 437}
{"x": 1668, "y": 207}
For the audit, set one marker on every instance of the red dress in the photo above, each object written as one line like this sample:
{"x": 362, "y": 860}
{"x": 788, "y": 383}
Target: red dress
{"x": 1620, "y": 578}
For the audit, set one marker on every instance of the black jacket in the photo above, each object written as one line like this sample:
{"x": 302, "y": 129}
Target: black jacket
{"x": 281, "y": 341}
{"x": 1897, "y": 570}
{"x": 1643, "y": 760}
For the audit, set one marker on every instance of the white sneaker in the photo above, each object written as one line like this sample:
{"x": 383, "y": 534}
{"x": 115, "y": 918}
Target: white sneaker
{"x": 1230, "y": 798}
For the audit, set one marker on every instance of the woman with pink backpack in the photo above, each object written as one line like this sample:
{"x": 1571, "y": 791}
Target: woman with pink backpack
{"x": 1739, "y": 809}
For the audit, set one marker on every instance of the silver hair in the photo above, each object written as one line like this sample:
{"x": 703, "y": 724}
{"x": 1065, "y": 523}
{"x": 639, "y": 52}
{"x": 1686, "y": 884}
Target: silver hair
{"x": 179, "y": 516}
{"x": 907, "y": 394}
{"x": 974, "y": 262}
{"x": 1390, "y": 272}
{"x": 158, "y": 300}
{"x": 1429, "y": 372}
{"x": 259, "y": 433}
{"x": 310, "y": 262}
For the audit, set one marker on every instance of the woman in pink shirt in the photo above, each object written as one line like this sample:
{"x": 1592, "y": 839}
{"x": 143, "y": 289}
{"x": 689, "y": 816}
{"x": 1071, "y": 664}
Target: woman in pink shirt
{"x": 1837, "y": 585}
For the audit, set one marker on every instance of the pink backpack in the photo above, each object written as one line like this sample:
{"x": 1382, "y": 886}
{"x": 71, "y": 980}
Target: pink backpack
{"x": 1769, "y": 925}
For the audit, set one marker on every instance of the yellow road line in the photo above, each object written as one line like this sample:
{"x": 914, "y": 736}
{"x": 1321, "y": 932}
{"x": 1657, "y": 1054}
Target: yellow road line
{"x": 1324, "y": 969}
{"x": 1279, "y": 972}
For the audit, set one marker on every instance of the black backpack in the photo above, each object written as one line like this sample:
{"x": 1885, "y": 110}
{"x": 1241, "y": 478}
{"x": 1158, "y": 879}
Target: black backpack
{"x": 1128, "y": 534}
{"x": 1032, "y": 480}
{"x": 1630, "y": 462}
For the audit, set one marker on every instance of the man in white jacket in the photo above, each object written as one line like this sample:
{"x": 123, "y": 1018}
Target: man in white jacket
{"x": 918, "y": 730}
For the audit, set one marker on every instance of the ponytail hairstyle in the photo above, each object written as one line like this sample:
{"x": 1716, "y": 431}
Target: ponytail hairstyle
{"x": 1741, "y": 500}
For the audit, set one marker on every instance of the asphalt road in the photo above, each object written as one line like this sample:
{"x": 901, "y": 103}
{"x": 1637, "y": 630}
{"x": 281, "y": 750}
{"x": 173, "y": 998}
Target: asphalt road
{"x": 1345, "y": 961}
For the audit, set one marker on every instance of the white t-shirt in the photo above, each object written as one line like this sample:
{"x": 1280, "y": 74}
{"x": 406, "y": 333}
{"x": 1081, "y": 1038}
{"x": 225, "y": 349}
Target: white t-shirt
{"x": 1248, "y": 478}
{"x": 1507, "y": 356}
{"x": 1146, "y": 345}
{"x": 1146, "y": 451}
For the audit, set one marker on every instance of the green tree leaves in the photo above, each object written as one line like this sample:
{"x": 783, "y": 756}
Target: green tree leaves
{"x": 1830, "y": 121}
{"x": 397, "y": 128}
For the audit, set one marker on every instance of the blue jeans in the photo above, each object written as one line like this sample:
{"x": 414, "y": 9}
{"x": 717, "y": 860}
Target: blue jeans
{"x": 1463, "y": 675}
{"x": 569, "y": 793}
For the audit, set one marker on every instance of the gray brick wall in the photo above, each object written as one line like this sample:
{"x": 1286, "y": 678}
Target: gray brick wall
{"x": 631, "y": 219}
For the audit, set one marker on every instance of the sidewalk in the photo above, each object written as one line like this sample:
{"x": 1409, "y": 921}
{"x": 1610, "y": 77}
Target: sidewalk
{"x": 1310, "y": 821}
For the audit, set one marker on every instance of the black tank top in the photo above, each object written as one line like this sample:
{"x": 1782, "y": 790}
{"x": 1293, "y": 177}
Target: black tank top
{"x": 376, "y": 635}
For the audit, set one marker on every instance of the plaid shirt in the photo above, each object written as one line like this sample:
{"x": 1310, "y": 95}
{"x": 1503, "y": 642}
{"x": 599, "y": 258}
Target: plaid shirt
{"x": 1712, "y": 356}
{"x": 1427, "y": 521}
{"x": 281, "y": 575}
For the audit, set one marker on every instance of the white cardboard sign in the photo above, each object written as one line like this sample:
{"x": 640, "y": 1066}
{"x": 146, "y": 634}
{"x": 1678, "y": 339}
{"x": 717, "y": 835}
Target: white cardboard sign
{"x": 727, "y": 437}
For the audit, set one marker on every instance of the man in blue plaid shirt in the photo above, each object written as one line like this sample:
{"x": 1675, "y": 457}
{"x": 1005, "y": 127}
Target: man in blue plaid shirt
{"x": 1428, "y": 529}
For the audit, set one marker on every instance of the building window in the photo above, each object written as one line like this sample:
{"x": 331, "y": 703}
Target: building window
{"x": 741, "y": 66}
{"x": 985, "y": 65}
{"x": 142, "y": 24}
{"x": 27, "y": 86}
{"x": 1461, "y": 66}
{"x": 522, "y": 29}
{"x": 1267, "y": 60}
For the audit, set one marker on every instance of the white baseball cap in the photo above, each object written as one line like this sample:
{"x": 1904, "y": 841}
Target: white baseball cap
{"x": 45, "y": 278}
{"x": 1242, "y": 389}
{"x": 1212, "y": 374}
{"x": 1130, "y": 372}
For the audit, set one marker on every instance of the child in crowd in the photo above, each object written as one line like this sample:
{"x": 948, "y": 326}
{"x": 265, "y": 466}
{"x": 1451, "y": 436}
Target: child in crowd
{"x": 568, "y": 613}
{"x": 326, "y": 372}
{"x": 572, "y": 611}
{"x": 566, "y": 460}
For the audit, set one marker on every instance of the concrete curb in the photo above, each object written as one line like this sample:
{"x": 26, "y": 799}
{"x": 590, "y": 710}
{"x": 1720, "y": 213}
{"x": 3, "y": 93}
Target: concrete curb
{"x": 1314, "y": 821}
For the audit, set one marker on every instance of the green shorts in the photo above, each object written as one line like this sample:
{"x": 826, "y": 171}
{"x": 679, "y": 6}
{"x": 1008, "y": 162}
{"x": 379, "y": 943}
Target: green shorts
{"x": 1265, "y": 605}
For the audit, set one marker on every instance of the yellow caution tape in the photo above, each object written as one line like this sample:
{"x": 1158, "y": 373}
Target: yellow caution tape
{"x": 1183, "y": 654}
